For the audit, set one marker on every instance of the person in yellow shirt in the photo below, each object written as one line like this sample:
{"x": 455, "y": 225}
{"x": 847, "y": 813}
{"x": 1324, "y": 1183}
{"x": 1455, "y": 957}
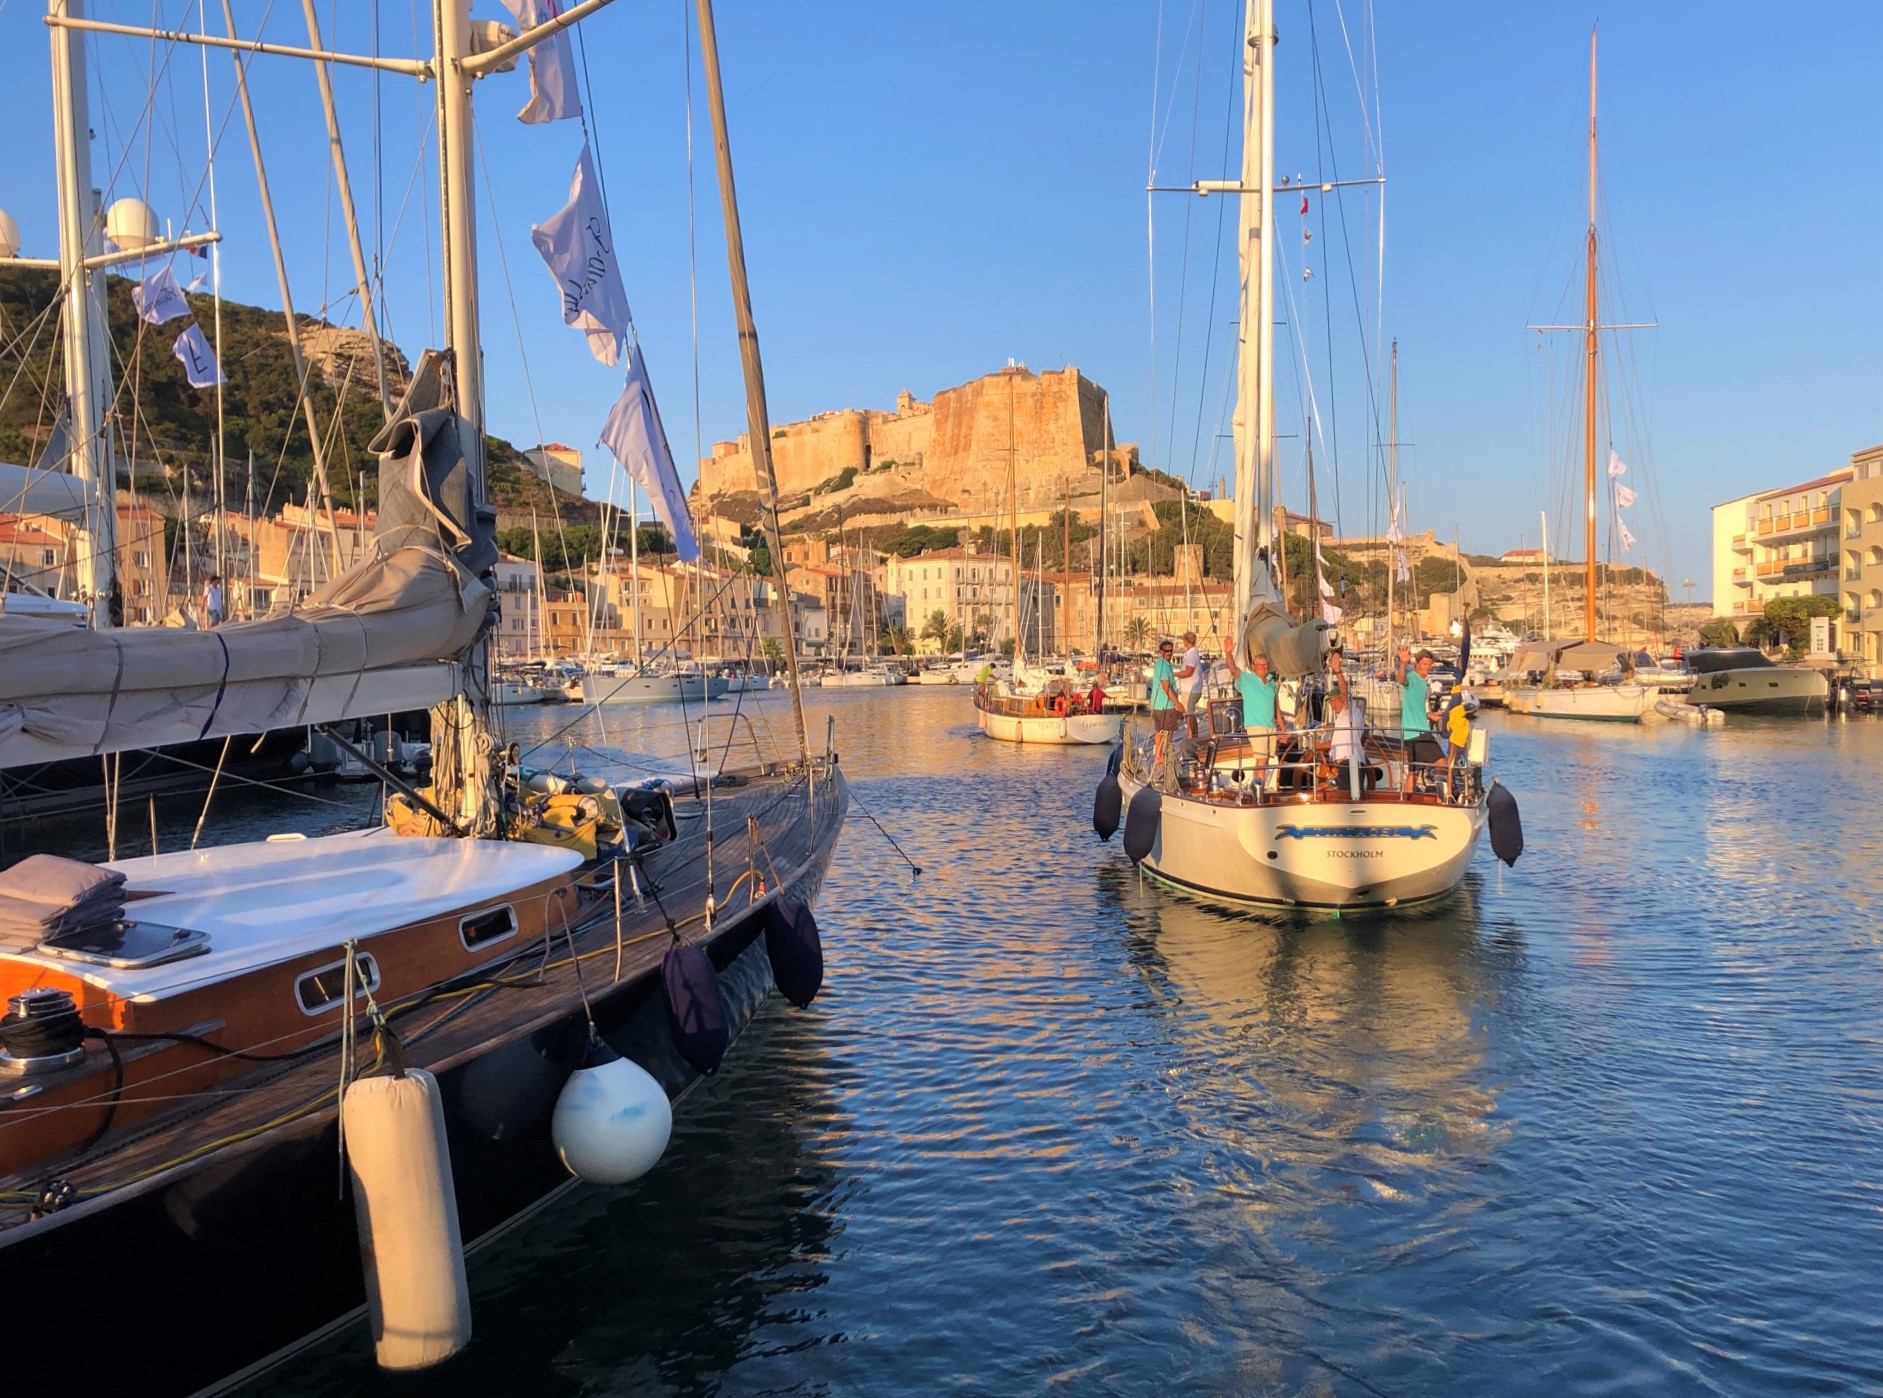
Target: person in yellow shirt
{"x": 1458, "y": 716}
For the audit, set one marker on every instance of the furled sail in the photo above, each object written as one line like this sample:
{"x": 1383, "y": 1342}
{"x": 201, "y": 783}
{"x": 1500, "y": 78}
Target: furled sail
{"x": 384, "y": 635}
{"x": 1293, "y": 650}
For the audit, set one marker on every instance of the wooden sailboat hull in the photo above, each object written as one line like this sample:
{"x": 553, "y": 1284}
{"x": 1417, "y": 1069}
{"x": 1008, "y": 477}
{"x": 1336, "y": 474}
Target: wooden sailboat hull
{"x": 259, "y": 1224}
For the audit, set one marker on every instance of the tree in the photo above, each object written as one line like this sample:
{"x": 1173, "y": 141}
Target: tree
{"x": 897, "y": 638}
{"x": 983, "y": 628}
{"x": 1138, "y": 631}
{"x": 936, "y": 627}
{"x": 772, "y": 649}
{"x": 1719, "y": 632}
{"x": 956, "y": 640}
{"x": 1789, "y": 618}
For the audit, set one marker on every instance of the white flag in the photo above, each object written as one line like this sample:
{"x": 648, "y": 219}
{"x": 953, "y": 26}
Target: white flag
{"x": 634, "y": 436}
{"x": 1624, "y": 496}
{"x": 199, "y": 361}
{"x": 196, "y": 282}
{"x": 1621, "y": 528}
{"x": 1327, "y": 589}
{"x": 1616, "y": 467}
{"x": 1331, "y": 614}
{"x": 159, "y": 298}
{"x": 553, "y": 94}
{"x": 580, "y": 250}
{"x": 1392, "y": 525}
{"x": 1405, "y": 573}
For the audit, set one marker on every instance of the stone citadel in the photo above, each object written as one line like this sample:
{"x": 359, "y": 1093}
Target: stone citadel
{"x": 951, "y": 453}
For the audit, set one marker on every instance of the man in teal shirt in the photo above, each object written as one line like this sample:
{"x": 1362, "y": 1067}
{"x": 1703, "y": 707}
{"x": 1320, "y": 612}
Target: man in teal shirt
{"x": 1415, "y": 703}
{"x": 1259, "y": 690}
{"x": 1166, "y": 707}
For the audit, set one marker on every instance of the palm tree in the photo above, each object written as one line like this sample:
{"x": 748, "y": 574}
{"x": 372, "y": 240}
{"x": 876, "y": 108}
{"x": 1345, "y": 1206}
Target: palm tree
{"x": 1138, "y": 631}
{"x": 773, "y": 650}
{"x": 898, "y": 638}
{"x": 936, "y": 627}
{"x": 957, "y": 640}
{"x": 983, "y": 628}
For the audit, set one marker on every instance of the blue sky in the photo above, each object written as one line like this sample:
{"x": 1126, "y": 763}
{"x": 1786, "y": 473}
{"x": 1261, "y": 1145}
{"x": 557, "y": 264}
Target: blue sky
{"x": 929, "y": 190}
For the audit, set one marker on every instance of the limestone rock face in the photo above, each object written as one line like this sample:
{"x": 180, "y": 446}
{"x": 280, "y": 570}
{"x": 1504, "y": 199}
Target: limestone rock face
{"x": 955, "y": 449}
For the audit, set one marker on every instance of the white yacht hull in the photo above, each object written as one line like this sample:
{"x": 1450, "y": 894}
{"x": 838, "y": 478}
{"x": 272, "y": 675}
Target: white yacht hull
{"x": 1312, "y": 854}
{"x": 1071, "y": 730}
{"x": 1765, "y": 689}
{"x": 652, "y": 689}
{"x": 511, "y": 692}
{"x": 1596, "y": 703}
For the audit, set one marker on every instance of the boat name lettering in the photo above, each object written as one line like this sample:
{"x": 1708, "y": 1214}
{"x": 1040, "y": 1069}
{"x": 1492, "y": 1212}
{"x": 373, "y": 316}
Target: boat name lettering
{"x": 1357, "y": 832}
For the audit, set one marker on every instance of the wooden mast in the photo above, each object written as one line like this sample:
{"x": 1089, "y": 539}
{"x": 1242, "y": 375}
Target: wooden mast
{"x": 758, "y": 416}
{"x": 1013, "y": 518}
{"x": 1588, "y": 406}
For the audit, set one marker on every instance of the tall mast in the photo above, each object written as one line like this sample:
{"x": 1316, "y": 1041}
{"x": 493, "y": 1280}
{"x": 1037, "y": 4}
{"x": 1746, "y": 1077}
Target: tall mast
{"x": 758, "y": 415}
{"x": 634, "y": 570}
{"x": 1104, "y": 559}
{"x": 462, "y": 776}
{"x": 1255, "y": 385}
{"x": 1392, "y": 496}
{"x": 87, "y": 389}
{"x": 1013, "y": 519}
{"x": 1588, "y": 406}
{"x": 1065, "y": 556}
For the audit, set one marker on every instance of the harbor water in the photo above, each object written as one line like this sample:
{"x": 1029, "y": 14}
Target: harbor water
{"x": 1607, "y": 1122}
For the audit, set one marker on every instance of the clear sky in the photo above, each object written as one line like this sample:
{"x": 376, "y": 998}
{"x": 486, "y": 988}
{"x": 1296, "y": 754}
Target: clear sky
{"x": 928, "y": 190}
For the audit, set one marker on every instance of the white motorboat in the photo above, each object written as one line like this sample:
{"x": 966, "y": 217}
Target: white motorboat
{"x": 1048, "y": 710}
{"x": 631, "y": 688}
{"x": 513, "y": 693}
{"x": 1744, "y": 680}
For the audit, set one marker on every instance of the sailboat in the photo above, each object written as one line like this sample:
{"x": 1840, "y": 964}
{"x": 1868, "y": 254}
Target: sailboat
{"x": 1290, "y": 820}
{"x": 1591, "y": 678}
{"x": 1033, "y": 705}
{"x": 488, "y": 1002}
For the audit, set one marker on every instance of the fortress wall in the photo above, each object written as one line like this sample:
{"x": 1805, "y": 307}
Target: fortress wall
{"x": 1054, "y": 421}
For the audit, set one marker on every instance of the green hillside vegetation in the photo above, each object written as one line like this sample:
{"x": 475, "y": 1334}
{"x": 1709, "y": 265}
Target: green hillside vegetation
{"x": 168, "y": 424}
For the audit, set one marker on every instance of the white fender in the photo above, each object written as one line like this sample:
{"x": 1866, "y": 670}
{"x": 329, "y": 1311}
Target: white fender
{"x": 403, "y": 1197}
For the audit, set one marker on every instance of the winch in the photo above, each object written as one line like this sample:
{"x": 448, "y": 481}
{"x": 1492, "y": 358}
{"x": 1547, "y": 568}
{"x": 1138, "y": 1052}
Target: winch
{"x": 41, "y": 1033}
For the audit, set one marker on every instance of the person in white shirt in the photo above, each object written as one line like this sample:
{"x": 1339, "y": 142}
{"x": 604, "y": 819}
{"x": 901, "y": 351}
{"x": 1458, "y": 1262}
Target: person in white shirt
{"x": 212, "y": 601}
{"x": 1342, "y": 721}
{"x": 1191, "y": 674}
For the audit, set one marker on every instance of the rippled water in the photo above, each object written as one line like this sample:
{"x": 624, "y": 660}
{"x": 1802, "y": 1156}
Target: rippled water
{"x": 1607, "y": 1122}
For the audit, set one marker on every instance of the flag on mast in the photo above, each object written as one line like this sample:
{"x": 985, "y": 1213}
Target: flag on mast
{"x": 1621, "y": 528}
{"x": 159, "y": 298}
{"x": 580, "y": 249}
{"x": 635, "y": 438}
{"x": 553, "y": 95}
{"x": 1616, "y": 466}
{"x": 1624, "y": 496}
{"x": 199, "y": 361}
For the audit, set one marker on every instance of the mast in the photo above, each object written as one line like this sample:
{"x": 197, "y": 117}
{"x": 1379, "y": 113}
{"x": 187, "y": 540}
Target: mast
{"x": 1255, "y": 331}
{"x": 758, "y": 416}
{"x": 87, "y": 389}
{"x": 1065, "y": 562}
{"x": 1392, "y": 498}
{"x": 1013, "y": 519}
{"x": 462, "y": 778}
{"x": 1588, "y": 406}
{"x": 1543, "y": 523}
{"x": 1104, "y": 559}
{"x": 634, "y": 569}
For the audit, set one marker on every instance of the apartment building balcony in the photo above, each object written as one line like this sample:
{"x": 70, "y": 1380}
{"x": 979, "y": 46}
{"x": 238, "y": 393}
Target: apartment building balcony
{"x": 1800, "y": 522}
{"x": 1769, "y": 568}
{"x": 1740, "y": 579}
{"x": 1741, "y": 544}
{"x": 1809, "y": 568}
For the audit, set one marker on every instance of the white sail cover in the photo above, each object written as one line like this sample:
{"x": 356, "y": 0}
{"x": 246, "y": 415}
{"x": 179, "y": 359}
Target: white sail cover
{"x": 385, "y": 635}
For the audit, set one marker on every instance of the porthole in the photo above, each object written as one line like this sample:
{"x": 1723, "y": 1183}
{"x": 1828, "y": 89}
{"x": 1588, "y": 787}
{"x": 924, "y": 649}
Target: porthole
{"x": 321, "y": 989}
{"x": 491, "y": 925}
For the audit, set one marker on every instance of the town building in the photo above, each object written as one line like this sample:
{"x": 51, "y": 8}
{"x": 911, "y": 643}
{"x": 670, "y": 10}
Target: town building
{"x": 1780, "y": 543}
{"x": 557, "y": 465}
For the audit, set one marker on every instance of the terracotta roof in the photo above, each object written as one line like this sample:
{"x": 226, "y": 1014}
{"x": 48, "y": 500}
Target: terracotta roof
{"x": 1835, "y": 478}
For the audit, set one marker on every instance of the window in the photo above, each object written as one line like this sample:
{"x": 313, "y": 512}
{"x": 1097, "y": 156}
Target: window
{"x": 491, "y": 925}
{"x": 140, "y": 559}
{"x": 46, "y": 557}
{"x": 320, "y": 990}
